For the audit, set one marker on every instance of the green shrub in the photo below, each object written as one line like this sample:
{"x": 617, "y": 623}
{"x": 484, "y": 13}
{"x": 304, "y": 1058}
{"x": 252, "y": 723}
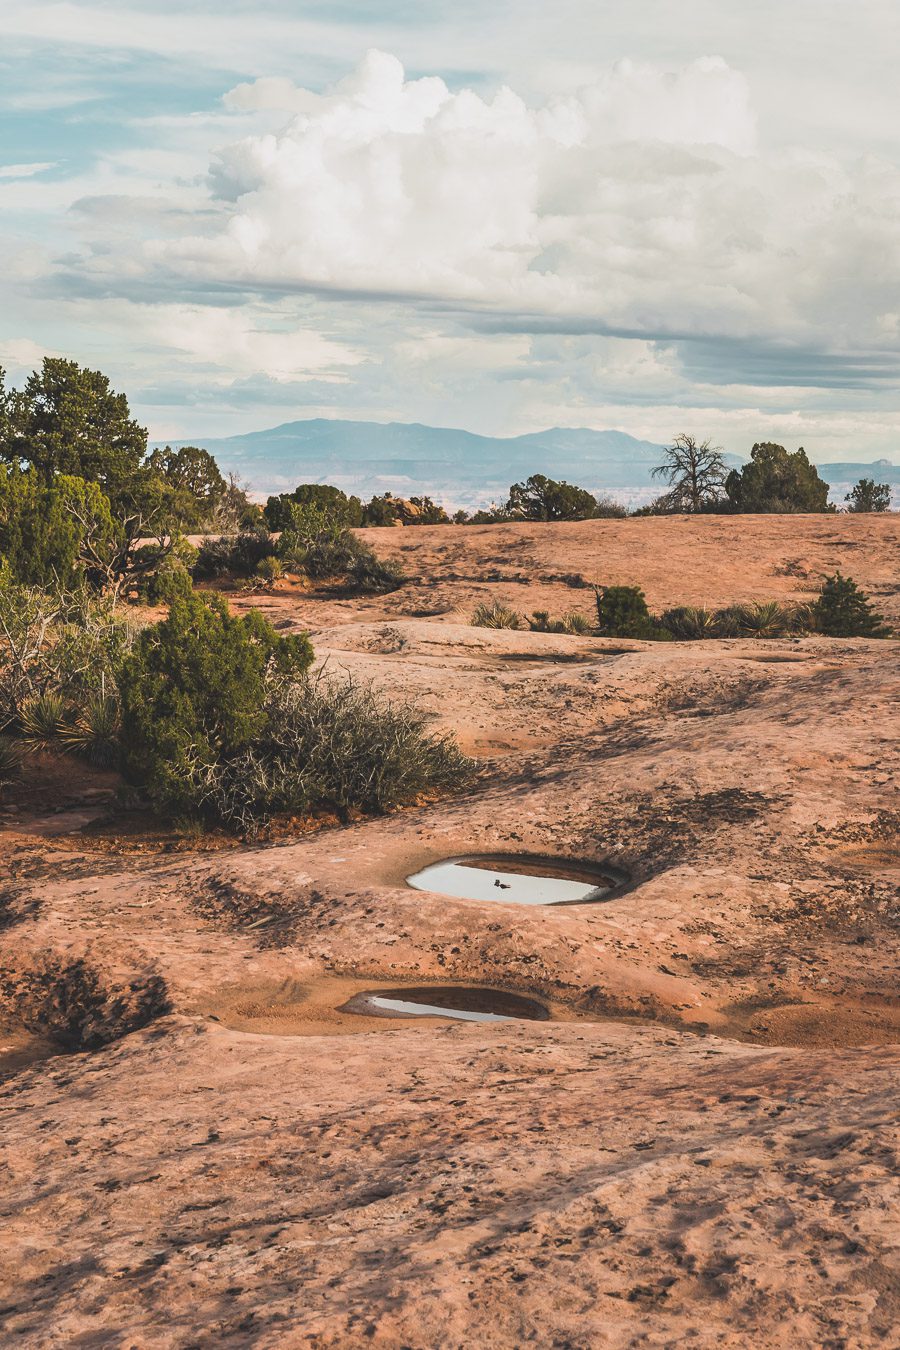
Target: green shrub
{"x": 319, "y": 545}
{"x": 869, "y": 496}
{"x": 843, "y": 610}
{"x": 69, "y": 642}
{"x": 173, "y": 580}
{"x": 495, "y": 615}
{"x": 622, "y": 612}
{"x": 347, "y": 510}
{"x": 762, "y": 619}
{"x": 365, "y": 571}
{"x": 773, "y": 480}
{"x": 269, "y": 569}
{"x": 55, "y": 533}
{"x": 233, "y": 555}
{"x": 692, "y": 623}
{"x": 607, "y": 509}
{"x": 576, "y": 624}
{"x": 573, "y": 623}
{"x": 94, "y": 732}
{"x": 543, "y": 498}
{"x": 193, "y": 691}
{"x": 802, "y": 618}
{"x": 336, "y": 745}
{"x": 44, "y": 720}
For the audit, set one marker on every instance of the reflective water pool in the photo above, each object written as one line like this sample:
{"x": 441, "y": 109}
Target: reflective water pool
{"x": 517, "y": 880}
{"x": 461, "y": 1002}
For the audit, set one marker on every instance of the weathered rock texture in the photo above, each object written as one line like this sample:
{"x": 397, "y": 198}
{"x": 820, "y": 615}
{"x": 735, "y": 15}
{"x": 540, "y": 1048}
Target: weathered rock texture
{"x": 697, "y": 1150}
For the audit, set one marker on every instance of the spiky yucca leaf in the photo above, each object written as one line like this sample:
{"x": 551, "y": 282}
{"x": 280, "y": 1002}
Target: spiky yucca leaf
{"x": 576, "y": 624}
{"x": 95, "y": 732}
{"x": 765, "y": 619}
{"x": 10, "y": 762}
{"x": 44, "y": 720}
{"x": 801, "y": 618}
{"x": 496, "y": 615}
{"x": 692, "y": 623}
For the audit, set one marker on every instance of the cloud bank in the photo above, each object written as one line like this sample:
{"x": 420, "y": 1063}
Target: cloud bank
{"x": 631, "y": 247}
{"x": 640, "y": 206}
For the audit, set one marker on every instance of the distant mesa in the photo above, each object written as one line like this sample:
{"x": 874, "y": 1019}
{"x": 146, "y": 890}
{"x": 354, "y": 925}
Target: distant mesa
{"x": 458, "y": 468}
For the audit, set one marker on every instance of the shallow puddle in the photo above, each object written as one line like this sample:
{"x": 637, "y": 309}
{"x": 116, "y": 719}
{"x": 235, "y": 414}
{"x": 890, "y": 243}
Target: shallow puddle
{"x": 518, "y": 880}
{"x": 462, "y": 1003}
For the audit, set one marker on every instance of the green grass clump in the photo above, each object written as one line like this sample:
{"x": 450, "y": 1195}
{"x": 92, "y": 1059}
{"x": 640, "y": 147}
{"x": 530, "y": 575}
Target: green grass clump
{"x": 691, "y": 623}
{"x": 496, "y": 615}
{"x": 573, "y": 623}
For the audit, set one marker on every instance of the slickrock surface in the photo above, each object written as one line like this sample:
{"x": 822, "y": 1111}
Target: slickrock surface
{"x": 699, "y": 1149}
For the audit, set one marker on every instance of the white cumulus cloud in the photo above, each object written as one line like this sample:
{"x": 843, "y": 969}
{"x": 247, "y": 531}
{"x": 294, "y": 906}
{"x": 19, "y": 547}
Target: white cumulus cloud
{"x": 641, "y": 204}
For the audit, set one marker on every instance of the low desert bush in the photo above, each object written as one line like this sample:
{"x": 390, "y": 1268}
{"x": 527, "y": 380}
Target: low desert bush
{"x": 43, "y": 720}
{"x": 269, "y": 569}
{"x": 69, "y": 644}
{"x": 622, "y": 612}
{"x": 318, "y": 544}
{"x": 843, "y": 610}
{"x": 762, "y": 619}
{"x": 607, "y": 509}
{"x": 334, "y": 745}
{"x": 193, "y": 691}
{"x": 689, "y": 623}
{"x": 496, "y": 615}
{"x": 94, "y": 732}
{"x": 236, "y": 555}
{"x": 162, "y": 587}
{"x": 573, "y": 623}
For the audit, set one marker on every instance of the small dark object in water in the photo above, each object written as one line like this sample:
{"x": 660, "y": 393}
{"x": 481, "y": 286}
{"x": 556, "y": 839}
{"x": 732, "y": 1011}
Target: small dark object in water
{"x": 529, "y": 879}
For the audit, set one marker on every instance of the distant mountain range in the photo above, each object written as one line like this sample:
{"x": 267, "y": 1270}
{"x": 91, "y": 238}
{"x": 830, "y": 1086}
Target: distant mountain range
{"x": 457, "y": 468}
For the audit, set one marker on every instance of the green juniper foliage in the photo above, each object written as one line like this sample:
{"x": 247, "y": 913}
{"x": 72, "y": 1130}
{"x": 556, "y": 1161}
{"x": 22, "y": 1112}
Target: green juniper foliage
{"x": 193, "y": 693}
{"x": 622, "y": 612}
{"x": 542, "y": 498}
{"x": 331, "y": 500}
{"x": 776, "y": 481}
{"x": 868, "y": 496}
{"x": 843, "y": 610}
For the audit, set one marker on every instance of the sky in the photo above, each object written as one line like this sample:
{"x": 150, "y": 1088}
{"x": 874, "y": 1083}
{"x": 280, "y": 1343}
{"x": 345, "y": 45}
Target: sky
{"x": 658, "y": 217}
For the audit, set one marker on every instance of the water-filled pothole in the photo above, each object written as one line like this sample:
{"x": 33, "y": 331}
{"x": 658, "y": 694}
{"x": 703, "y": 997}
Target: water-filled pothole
{"x": 519, "y": 880}
{"x": 463, "y": 1003}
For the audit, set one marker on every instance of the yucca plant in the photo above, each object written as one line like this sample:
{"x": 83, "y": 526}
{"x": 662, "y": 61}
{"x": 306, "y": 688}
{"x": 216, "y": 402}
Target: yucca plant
{"x": 576, "y": 624}
{"x": 764, "y": 619}
{"x": 44, "y": 720}
{"x": 496, "y": 615}
{"x": 692, "y": 623}
{"x": 729, "y": 621}
{"x": 801, "y": 618}
{"x": 94, "y": 734}
{"x": 10, "y": 763}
